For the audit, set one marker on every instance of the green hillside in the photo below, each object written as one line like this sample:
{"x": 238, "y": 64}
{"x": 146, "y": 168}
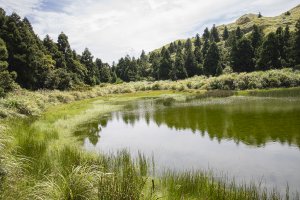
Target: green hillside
{"x": 252, "y": 43}
{"x": 267, "y": 24}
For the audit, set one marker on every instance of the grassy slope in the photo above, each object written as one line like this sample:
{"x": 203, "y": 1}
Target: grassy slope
{"x": 267, "y": 24}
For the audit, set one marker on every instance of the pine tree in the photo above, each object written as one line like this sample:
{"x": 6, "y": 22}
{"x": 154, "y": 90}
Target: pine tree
{"x": 92, "y": 72}
{"x": 190, "y": 63}
{"x": 238, "y": 33}
{"x": 287, "y": 35}
{"x": 132, "y": 70}
{"x": 234, "y": 55}
{"x": 26, "y": 57}
{"x": 243, "y": 56}
{"x": 172, "y": 48}
{"x": 270, "y": 55}
{"x": 179, "y": 45}
{"x": 256, "y": 37}
{"x": 288, "y": 47}
{"x": 206, "y": 34}
{"x": 212, "y": 60}
{"x": 280, "y": 43}
{"x": 57, "y": 55}
{"x": 214, "y": 34}
{"x": 205, "y": 48}
{"x": 165, "y": 64}
{"x": 6, "y": 78}
{"x": 154, "y": 60}
{"x": 2, "y": 19}
{"x": 104, "y": 71}
{"x": 63, "y": 43}
{"x": 198, "y": 41}
{"x": 188, "y": 45}
{"x": 225, "y": 33}
{"x": 259, "y": 15}
{"x": 178, "y": 70}
{"x": 297, "y": 44}
{"x": 198, "y": 55}
{"x": 143, "y": 65}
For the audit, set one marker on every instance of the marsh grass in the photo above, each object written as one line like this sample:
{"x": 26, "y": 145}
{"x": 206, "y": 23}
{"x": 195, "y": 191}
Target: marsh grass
{"x": 70, "y": 173}
{"x": 203, "y": 185}
{"x": 286, "y": 93}
{"x": 40, "y": 159}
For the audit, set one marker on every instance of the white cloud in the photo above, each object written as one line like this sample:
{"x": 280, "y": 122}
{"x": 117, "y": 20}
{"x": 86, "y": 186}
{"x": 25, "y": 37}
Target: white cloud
{"x": 23, "y": 7}
{"x": 114, "y": 28}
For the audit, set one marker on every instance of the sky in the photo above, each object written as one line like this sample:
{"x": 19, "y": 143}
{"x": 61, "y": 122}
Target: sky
{"x": 112, "y": 29}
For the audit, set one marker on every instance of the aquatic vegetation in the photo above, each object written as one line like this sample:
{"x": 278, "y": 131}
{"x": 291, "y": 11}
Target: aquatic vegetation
{"x": 42, "y": 159}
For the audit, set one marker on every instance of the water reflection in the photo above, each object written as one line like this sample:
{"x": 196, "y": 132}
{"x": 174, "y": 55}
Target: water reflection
{"x": 250, "y": 121}
{"x": 248, "y": 138}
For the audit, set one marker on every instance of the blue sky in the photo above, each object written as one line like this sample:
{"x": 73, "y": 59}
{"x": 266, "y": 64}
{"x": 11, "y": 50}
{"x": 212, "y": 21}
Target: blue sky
{"x": 114, "y": 28}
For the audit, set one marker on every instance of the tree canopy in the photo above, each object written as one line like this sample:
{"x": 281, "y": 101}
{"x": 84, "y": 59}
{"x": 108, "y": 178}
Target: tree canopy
{"x": 32, "y": 63}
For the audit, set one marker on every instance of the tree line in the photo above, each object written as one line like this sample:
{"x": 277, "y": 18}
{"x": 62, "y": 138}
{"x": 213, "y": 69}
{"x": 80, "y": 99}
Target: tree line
{"x": 215, "y": 53}
{"x": 33, "y": 63}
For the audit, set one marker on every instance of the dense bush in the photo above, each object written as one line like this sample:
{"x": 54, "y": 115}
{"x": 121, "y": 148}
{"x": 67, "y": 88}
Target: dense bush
{"x": 255, "y": 80}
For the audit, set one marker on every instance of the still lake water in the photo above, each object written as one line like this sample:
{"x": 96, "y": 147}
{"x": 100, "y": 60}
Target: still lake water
{"x": 250, "y": 139}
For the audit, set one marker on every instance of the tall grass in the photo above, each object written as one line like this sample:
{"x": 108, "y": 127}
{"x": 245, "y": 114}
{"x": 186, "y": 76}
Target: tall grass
{"x": 202, "y": 185}
{"x": 70, "y": 173}
{"x": 288, "y": 92}
{"x": 35, "y": 164}
{"x": 33, "y": 103}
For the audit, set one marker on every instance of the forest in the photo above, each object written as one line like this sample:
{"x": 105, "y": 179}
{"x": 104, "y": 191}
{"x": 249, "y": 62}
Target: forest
{"x": 27, "y": 61}
{"x": 214, "y": 116}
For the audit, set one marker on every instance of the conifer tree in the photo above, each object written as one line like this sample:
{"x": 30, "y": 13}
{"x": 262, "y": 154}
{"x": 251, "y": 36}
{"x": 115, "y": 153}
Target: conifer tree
{"x": 104, "y": 71}
{"x": 92, "y": 72}
{"x": 132, "y": 70}
{"x": 243, "y": 56}
{"x": 6, "y": 78}
{"x": 259, "y": 15}
{"x": 238, "y": 33}
{"x": 212, "y": 60}
{"x": 214, "y": 34}
{"x": 297, "y": 44}
{"x": 154, "y": 59}
{"x": 188, "y": 45}
{"x": 225, "y": 33}
{"x": 179, "y": 45}
{"x": 63, "y": 43}
{"x": 280, "y": 43}
{"x": 206, "y": 34}
{"x": 256, "y": 37}
{"x": 190, "y": 63}
{"x": 172, "y": 48}
{"x": 143, "y": 65}
{"x": 288, "y": 47}
{"x": 205, "y": 48}
{"x": 270, "y": 55}
{"x": 57, "y": 55}
{"x": 178, "y": 70}
{"x": 198, "y": 41}
{"x": 198, "y": 55}
{"x": 165, "y": 64}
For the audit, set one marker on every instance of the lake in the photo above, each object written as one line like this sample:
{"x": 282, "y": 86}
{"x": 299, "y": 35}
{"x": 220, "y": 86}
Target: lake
{"x": 248, "y": 138}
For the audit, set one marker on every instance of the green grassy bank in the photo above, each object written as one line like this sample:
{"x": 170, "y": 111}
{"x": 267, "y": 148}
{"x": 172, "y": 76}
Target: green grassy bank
{"x": 42, "y": 159}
